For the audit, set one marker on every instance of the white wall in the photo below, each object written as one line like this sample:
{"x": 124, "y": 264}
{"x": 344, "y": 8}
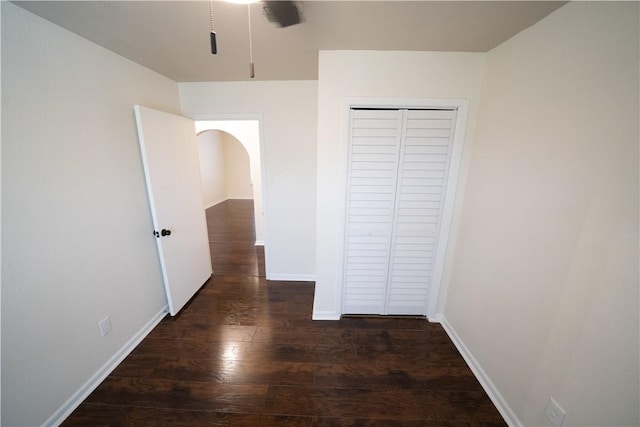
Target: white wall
{"x": 237, "y": 171}
{"x": 76, "y": 226}
{"x": 224, "y": 167}
{"x": 347, "y": 74}
{"x": 287, "y": 111}
{"x": 212, "y": 170}
{"x": 544, "y": 293}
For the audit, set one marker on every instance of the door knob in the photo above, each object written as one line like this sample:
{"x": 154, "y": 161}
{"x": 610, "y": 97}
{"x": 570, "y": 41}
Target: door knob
{"x": 165, "y": 232}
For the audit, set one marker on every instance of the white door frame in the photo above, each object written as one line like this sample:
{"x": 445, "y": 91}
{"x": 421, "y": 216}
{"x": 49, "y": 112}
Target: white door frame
{"x": 462, "y": 105}
{"x": 262, "y": 213}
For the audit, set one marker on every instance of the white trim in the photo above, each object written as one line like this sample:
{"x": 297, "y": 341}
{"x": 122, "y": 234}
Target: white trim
{"x": 436, "y": 318}
{"x": 265, "y": 200}
{"x": 400, "y": 103}
{"x": 462, "y": 107}
{"x": 449, "y": 203}
{"x": 259, "y": 243}
{"x": 263, "y": 169}
{"x": 217, "y": 202}
{"x": 482, "y": 377}
{"x": 221, "y": 117}
{"x": 292, "y": 277}
{"x": 239, "y": 198}
{"x": 92, "y": 383}
{"x": 325, "y": 315}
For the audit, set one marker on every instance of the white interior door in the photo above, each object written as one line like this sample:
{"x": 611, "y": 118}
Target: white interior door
{"x": 170, "y": 156}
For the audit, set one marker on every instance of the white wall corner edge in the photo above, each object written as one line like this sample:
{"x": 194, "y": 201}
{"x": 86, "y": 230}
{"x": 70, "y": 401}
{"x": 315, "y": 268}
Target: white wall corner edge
{"x": 325, "y": 315}
{"x": 292, "y": 277}
{"x": 501, "y": 405}
{"x": 96, "y": 379}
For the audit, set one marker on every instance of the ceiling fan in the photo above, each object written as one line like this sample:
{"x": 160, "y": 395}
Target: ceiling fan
{"x": 284, "y": 13}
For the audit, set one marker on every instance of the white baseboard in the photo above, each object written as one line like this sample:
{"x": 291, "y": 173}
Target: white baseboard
{"x": 239, "y": 198}
{"x": 259, "y": 243}
{"x": 325, "y": 315}
{"x": 292, "y": 277}
{"x": 92, "y": 383}
{"x": 436, "y": 318}
{"x": 482, "y": 377}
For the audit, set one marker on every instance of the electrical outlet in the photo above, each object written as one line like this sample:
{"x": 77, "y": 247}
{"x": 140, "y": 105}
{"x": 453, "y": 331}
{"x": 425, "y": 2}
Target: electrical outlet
{"x": 105, "y": 326}
{"x": 554, "y": 413}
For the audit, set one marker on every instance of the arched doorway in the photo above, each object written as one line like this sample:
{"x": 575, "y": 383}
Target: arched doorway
{"x": 247, "y": 133}
{"x": 225, "y": 168}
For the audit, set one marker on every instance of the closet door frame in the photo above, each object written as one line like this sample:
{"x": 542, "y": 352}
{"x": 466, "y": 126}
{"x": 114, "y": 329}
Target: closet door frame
{"x": 440, "y": 262}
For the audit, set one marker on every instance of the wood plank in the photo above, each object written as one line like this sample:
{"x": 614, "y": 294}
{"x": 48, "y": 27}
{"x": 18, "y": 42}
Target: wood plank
{"x": 245, "y": 352}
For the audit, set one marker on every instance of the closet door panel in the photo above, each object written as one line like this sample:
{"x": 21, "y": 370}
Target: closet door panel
{"x": 422, "y": 175}
{"x": 398, "y": 171}
{"x": 373, "y": 163}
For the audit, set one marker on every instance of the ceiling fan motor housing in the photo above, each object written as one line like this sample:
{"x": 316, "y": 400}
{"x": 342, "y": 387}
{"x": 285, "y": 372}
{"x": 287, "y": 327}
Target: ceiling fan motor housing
{"x": 283, "y": 13}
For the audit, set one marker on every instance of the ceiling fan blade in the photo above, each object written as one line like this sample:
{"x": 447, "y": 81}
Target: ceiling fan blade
{"x": 285, "y": 13}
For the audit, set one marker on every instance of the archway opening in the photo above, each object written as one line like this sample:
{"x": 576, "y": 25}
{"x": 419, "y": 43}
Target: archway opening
{"x": 247, "y": 133}
{"x": 225, "y": 168}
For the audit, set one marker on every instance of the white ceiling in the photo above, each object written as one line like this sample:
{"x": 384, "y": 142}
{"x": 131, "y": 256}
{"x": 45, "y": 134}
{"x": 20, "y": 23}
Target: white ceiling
{"x": 172, "y": 37}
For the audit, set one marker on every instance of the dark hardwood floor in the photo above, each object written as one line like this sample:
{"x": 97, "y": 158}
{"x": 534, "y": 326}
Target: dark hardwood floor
{"x": 245, "y": 352}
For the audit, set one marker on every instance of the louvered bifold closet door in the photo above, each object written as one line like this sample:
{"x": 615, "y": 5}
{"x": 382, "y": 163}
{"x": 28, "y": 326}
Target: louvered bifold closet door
{"x": 373, "y": 166}
{"x": 422, "y": 178}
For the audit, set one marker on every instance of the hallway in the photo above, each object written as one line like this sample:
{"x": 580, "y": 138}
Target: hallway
{"x": 232, "y": 237}
{"x": 245, "y": 352}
